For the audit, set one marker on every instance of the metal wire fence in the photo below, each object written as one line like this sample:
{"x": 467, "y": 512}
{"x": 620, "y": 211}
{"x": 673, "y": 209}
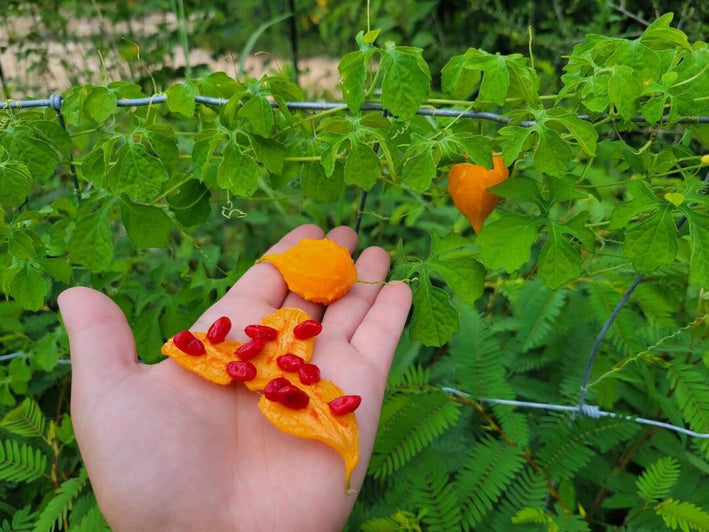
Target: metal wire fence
{"x": 55, "y": 101}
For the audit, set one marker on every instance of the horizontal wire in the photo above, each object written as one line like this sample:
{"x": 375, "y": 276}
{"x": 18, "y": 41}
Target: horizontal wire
{"x": 585, "y": 410}
{"x": 55, "y": 100}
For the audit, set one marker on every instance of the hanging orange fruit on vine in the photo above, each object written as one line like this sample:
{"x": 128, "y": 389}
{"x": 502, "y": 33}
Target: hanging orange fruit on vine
{"x": 468, "y": 186}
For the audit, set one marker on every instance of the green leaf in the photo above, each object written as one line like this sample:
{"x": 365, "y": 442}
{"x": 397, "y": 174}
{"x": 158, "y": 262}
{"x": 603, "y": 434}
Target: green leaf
{"x": 147, "y": 227}
{"x": 553, "y": 154}
{"x": 353, "y": 71}
{"x": 419, "y": 169}
{"x": 434, "y": 319}
{"x": 623, "y": 90}
{"x": 537, "y": 308}
{"x": 99, "y": 104}
{"x": 496, "y": 76}
{"x": 457, "y": 80}
{"x": 137, "y": 173}
{"x": 520, "y": 189}
{"x": 684, "y": 515}
{"x": 258, "y": 112}
{"x": 657, "y": 480}
{"x": 652, "y": 242}
{"x": 559, "y": 262}
{"x": 583, "y": 131}
{"x": 190, "y": 203}
{"x": 515, "y": 140}
{"x": 219, "y": 85}
{"x": 660, "y": 34}
{"x": 91, "y": 245}
{"x": 362, "y": 167}
{"x": 59, "y": 505}
{"x": 26, "y": 420}
{"x": 406, "y": 82}
{"x": 409, "y": 423}
{"x": 181, "y": 99}
{"x": 15, "y": 183}
{"x": 21, "y": 462}
{"x": 487, "y": 471}
{"x": 270, "y": 153}
{"x": 506, "y": 243}
{"x": 699, "y": 260}
{"x": 29, "y": 287}
{"x": 24, "y": 146}
{"x": 237, "y": 172}
{"x": 315, "y": 183}
{"x": 455, "y": 264}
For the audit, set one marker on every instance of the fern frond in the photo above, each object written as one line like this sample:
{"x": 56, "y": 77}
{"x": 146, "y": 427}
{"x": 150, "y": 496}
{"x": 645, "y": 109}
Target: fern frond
{"x": 91, "y": 521}
{"x": 529, "y": 489}
{"x": 434, "y": 496}
{"x": 476, "y": 357}
{"x": 417, "y": 375}
{"x": 58, "y": 506}
{"x": 410, "y": 423}
{"x": 656, "y": 303}
{"x": 658, "y": 479}
{"x": 26, "y": 420}
{"x": 537, "y": 307}
{"x": 21, "y": 462}
{"x": 514, "y": 423}
{"x": 400, "y": 521}
{"x": 623, "y": 333}
{"x": 691, "y": 387}
{"x": 489, "y": 469}
{"x": 568, "y": 446}
{"x": 684, "y": 515}
{"x": 534, "y": 516}
{"x": 22, "y": 521}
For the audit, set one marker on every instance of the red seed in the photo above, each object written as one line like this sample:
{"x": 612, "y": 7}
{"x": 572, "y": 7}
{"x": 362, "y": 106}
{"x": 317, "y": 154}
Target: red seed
{"x": 186, "y": 342}
{"x": 289, "y": 362}
{"x": 344, "y": 404}
{"x": 292, "y": 397}
{"x": 261, "y": 331}
{"x": 218, "y": 330}
{"x": 241, "y": 370}
{"x": 309, "y": 374}
{"x": 272, "y": 387}
{"x": 250, "y": 349}
{"x": 307, "y": 329}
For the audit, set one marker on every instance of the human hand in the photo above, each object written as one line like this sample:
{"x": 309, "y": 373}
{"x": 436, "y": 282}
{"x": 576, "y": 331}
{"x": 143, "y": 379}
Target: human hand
{"x": 167, "y": 450}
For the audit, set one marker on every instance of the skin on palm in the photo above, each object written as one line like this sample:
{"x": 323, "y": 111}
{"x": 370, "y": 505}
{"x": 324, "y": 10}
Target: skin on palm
{"x": 166, "y": 449}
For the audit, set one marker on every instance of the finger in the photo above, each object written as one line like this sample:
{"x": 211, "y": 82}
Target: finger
{"x": 261, "y": 288}
{"x": 347, "y": 238}
{"x": 344, "y": 316}
{"x": 100, "y": 339}
{"x": 379, "y": 332}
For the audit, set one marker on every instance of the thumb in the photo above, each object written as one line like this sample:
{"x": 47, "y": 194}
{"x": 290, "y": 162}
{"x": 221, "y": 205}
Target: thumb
{"x": 100, "y": 340}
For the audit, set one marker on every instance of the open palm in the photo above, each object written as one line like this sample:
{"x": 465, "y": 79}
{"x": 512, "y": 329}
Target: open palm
{"x": 167, "y": 450}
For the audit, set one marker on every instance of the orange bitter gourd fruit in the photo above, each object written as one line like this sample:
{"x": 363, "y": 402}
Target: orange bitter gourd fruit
{"x": 210, "y": 365}
{"x": 318, "y": 270}
{"x": 310, "y": 416}
{"x": 468, "y": 186}
{"x": 316, "y": 421}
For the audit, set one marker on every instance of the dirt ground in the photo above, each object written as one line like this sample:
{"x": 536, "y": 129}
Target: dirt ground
{"x": 37, "y": 70}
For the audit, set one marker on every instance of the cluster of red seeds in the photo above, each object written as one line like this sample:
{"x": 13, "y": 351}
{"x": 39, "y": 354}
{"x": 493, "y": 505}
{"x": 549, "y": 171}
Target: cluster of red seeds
{"x": 279, "y": 389}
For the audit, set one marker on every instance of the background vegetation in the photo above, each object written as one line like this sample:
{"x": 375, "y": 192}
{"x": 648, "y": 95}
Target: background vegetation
{"x": 142, "y": 202}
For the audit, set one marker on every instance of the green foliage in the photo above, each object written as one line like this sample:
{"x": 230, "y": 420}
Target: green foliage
{"x": 20, "y": 462}
{"x": 164, "y": 206}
